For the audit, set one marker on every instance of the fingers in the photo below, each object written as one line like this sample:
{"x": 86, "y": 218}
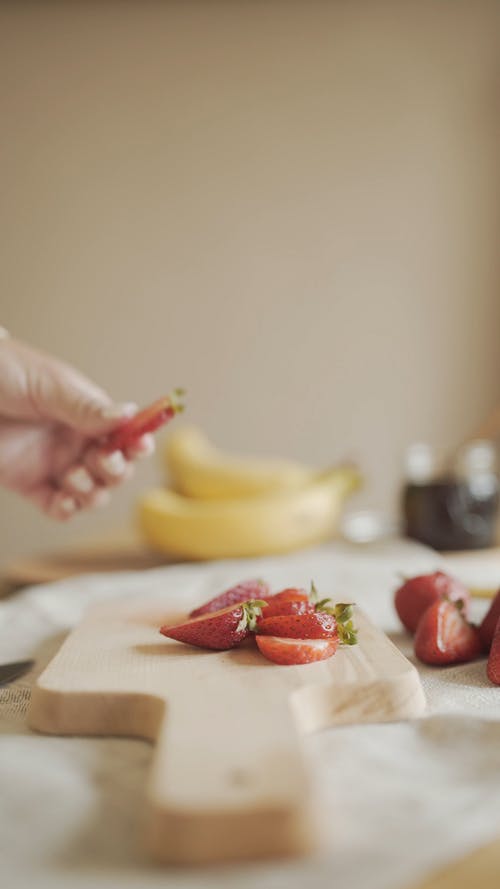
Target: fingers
{"x": 53, "y": 502}
{"x": 143, "y": 447}
{"x": 87, "y": 484}
{"x": 107, "y": 469}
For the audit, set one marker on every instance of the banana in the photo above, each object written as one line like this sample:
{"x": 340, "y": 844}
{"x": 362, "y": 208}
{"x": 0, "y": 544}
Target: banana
{"x": 271, "y": 523}
{"x": 197, "y": 469}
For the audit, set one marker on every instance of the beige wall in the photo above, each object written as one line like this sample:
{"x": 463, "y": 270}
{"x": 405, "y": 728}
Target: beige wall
{"x": 290, "y": 208}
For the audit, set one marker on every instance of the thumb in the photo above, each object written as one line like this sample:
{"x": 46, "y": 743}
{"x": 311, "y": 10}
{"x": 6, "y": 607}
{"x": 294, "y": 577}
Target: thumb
{"x": 66, "y": 396}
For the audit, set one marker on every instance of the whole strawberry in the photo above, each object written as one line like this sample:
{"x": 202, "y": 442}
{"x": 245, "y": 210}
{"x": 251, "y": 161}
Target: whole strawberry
{"x": 416, "y": 594}
{"x": 489, "y": 623}
{"x": 493, "y": 668}
{"x": 445, "y": 637}
{"x": 241, "y": 592}
{"x": 218, "y": 629}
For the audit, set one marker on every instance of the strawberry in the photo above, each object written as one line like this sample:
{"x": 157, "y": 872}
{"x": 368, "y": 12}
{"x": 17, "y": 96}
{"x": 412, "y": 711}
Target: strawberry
{"x": 493, "y": 668}
{"x": 290, "y": 601}
{"x": 218, "y": 629}
{"x": 286, "y": 606}
{"x": 315, "y": 625}
{"x": 489, "y": 622}
{"x": 148, "y": 420}
{"x": 416, "y": 594}
{"x": 242, "y": 592}
{"x": 296, "y": 651}
{"x": 444, "y": 637}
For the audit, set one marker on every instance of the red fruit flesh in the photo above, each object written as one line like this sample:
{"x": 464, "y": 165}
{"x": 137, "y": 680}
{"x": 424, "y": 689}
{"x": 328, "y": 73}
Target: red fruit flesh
{"x": 273, "y": 609}
{"x": 296, "y": 651}
{"x": 147, "y": 420}
{"x": 493, "y": 668}
{"x": 417, "y": 593}
{"x": 289, "y": 601}
{"x": 489, "y": 623}
{"x": 242, "y": 592}
{"x": 316, "y": 625}
{"x": 444, "y": 637}
{"x": 219, "y": 630}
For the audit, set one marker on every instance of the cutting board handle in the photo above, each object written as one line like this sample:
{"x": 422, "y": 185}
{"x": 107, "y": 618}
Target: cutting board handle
{"x": 228, "y": 779}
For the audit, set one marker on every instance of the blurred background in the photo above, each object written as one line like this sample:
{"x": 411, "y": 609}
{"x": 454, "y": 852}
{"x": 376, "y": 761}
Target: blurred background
{"x": 290, "y": 208}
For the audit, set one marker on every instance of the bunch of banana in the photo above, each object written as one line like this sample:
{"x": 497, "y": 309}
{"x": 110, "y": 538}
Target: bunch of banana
{"x": 222, "y": 507}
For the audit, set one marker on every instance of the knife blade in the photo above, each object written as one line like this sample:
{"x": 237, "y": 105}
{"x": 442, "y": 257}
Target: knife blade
{"x": 10, "y": 672}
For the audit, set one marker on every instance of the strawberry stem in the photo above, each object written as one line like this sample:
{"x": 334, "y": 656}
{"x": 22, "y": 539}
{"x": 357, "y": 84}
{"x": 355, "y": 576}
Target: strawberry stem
{"x": 176, "y": 400}
{"x": 251, "y": 611}
{"x": 348, "y": 634}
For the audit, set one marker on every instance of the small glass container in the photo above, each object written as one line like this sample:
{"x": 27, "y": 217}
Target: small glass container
{"x": 456, "y": 511}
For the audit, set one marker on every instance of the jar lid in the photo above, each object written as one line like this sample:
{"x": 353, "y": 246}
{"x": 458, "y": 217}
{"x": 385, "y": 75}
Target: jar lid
{"x": 420, "y": 463}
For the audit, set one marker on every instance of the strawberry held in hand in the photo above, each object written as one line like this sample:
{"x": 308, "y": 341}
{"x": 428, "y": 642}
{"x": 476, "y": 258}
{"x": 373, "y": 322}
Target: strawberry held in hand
{"x": 445, "y": 637}
{"x": 219, "y": 630}
{"x": 417, "y": 593}
{"x": 242, "y": 592}
{"x": 147, "y": 420}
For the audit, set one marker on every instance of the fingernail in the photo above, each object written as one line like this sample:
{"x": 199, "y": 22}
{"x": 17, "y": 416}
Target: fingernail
{"x": 120, "y": 411}
{"x": 114, "y": 463}
{"x": 145, "y": 446}
{"x": 67, "y": 505}
{"x": 80, "y": 480}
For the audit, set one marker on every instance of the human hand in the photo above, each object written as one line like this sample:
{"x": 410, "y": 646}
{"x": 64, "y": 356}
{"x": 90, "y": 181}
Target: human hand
{"x": 53, "y": 422}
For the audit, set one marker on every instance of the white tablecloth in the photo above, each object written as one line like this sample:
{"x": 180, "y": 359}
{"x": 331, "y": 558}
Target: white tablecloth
{"x": 397, "y": 799}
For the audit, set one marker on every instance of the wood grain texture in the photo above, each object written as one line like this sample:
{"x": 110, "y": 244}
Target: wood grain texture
{"x": 228, "y": 780}
{"x": 477, "y": 870}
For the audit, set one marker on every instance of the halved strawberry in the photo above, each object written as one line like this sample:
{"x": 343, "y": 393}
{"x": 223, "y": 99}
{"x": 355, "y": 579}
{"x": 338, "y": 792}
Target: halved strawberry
{"x": 218, "y": 629}
{"x": 416, "y": 594}
{"x": 147, "y": 420}
{"x": 290, "y": 601}
{"x": 241, "y": 592}
{"x": 445, "y": 637}
{"x": 489, "y": 622}
{"x": 493, "y": 668}
{"x": 296, "y": 651}
{"x": 315, "y": 625}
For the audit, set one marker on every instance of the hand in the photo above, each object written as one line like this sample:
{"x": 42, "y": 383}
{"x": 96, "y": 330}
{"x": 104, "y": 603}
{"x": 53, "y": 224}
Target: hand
{"x": 52, "y": 419}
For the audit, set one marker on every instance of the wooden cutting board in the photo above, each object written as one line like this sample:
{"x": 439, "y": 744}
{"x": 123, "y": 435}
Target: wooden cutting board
{"x": 229, "y": 779}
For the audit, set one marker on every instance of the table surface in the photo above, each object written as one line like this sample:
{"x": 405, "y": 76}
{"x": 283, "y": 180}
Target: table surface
{"x": 398, "y": 800}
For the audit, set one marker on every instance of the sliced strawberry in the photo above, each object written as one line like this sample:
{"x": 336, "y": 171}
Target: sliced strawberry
{"x": 290, "y": 601}
{"x": 445, "y": 637}
{"x": 148, "y": 420}
{"x": 296, "y": 651}
{"x": 489, "y": 622}
{"x": 218, "y": 629}
{"x": 242, "y": 592}
{"x": 417, "y": 593}
{"x": 315, "y": 625}
{"x": 493, "y": 668}
{"x": 298, "y": 606}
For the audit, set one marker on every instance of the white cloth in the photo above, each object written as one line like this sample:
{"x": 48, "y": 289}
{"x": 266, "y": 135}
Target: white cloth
{"x": 397, "y": 799}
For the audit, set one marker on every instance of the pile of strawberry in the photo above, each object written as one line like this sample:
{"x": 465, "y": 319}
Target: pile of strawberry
{"x": 435, "y": 608}
{"x": 289, "y": 627}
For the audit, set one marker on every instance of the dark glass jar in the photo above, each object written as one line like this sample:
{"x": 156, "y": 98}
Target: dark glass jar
{"x": 458, "y": 511}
